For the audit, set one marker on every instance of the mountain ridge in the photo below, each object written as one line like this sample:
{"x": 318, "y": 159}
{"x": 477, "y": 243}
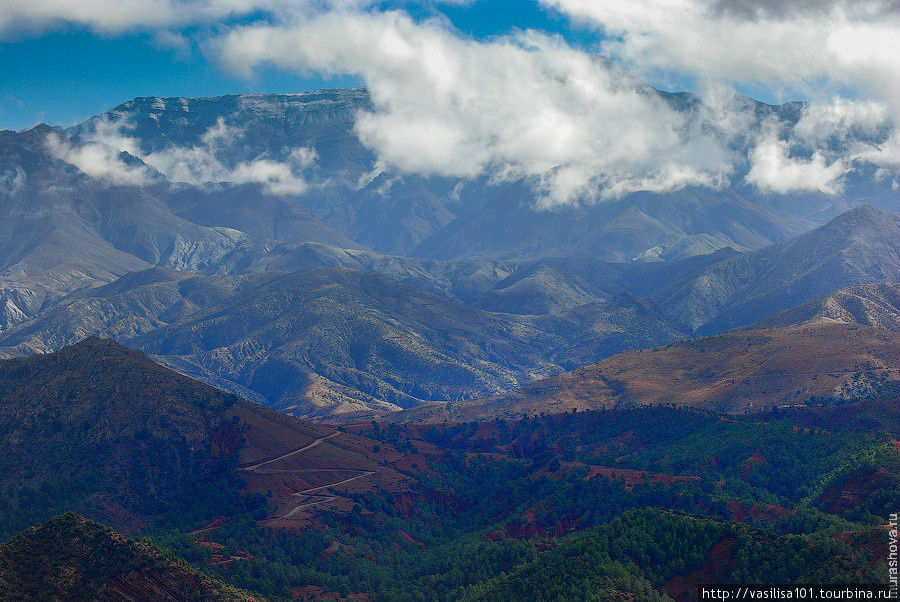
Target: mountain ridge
{"x": 75, "y": 558}
{"x": 738, "y": 372}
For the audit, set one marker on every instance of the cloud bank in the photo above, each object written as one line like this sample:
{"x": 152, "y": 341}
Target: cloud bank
{"x": 99, "y": 161}
{"x": 115, "y": 16}
{"x": 526, "y": 105}
{"x": 103, "y": 151}
{"x": 815, "y": 48}
{"x": 529, "y": 105}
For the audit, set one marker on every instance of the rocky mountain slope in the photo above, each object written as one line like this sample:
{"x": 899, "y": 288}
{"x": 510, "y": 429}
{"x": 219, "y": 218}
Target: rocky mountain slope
{"x": 876, "y": 305}
{"x": 218, "y": 279}
{"x": 394, "y": 332}
{"x": 334, "y": 341}
{"x": 861, "y": 246}
{"x": 642, "y": 226}
{"x": 66, "y": 231}
{"x": 737, "y": 372}
{"x": 435, "y": 217}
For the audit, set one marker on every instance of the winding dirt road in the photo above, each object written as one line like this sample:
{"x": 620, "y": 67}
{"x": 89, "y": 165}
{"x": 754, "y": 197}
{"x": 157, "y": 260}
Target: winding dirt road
{"x": 311, "y": 492}
{"x": 325, "y": 498}
{"x": 293, "y": 453}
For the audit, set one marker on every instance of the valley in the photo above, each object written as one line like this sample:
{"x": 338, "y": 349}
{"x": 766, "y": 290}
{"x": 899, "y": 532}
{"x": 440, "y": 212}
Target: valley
{"x": 471, "y": 510}
{"x": 244, "y": 358}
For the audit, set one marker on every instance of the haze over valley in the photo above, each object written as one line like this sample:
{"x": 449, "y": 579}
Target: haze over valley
{"x": 447, "y": 300}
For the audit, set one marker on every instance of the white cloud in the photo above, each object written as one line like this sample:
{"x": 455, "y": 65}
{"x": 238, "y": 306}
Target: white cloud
{"x": 201, "y": 164}
{"x": 98, "y": 161}
{"x": 277, "y": 178}
{"x": 773, "y": 170}
{"x": 114, "y": 16}
{"x": 826, "y": 143}
{"x": 772, "y": 42}
{"x": 529, "y": 105}
{"x": 816, "y": 48}
{"x": 117, "y": 16}
{"x": 839, "y": 119}
{"x": 524, "y": 105}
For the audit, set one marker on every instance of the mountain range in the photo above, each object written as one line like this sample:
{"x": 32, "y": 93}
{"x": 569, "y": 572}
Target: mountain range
{"x": 392, "y": 333}
{"x": 740, "y": 372}
{"x": 434, "y": 217}
{"x": 330, "y": 286}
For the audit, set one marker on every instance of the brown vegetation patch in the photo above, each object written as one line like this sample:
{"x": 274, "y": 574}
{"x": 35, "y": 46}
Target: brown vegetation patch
{"x": 715, "y": 569}
{"x": 741, "y": 511}
{"x": 631, "y": 477}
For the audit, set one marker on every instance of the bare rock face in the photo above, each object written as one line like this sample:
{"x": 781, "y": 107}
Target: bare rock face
{"x": 738, "y": 372}
{"x": 876, "y": 305}
{"x": 65, "y": 231}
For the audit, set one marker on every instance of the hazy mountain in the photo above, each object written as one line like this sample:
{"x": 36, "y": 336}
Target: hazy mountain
{"x": 389, "y": 213}
{"x": 644, "y": 226}
{"x": 249, "y": 210}
{"x": 599, "y": 329}
{"x": 876, "y": 305}
{"x": 860, "y": 246}
{"x": 271, "y": 125}
{"x": 325, "y": 341}
{"x": 435, "y": 217}
{"x": 736, "y": 372}
{"x": 218, "y": 279}
{"x": 721, "y": 290}
{"x": 132, "y": 305}
{"x": 70, "y": 557}
{"x": 334, "y": 340}
{"x": 65, "y": 231}
{"x": 320, "y": 342}
{"x": 394, "y": 332}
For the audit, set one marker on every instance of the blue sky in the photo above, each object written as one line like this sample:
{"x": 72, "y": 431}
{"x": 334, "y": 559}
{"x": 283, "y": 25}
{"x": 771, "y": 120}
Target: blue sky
{"x": 62, "y": 77}
{"x": 66, "y": 74}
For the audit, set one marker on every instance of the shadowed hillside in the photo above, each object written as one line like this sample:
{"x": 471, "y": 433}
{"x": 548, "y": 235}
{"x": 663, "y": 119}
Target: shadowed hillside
{"x": 72, "y": 558}
{"x": 273, "y": 505}
{"x": 324, "y": 342}
{"x": 102, "y": 429}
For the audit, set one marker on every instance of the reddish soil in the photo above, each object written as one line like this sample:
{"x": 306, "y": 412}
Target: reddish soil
{"x": 740, "y": 511}
{"x": 617, "y": 443}
{"x": 314, "y": 592}
{"x": 872, "y": 541}
{"x": 211, "y": 525}
{"x": 488, "y": 455}
{"x": 715, "y": 569}
{"x": 852, "y": 491}
{"x": 755, "y": 459}
{"x": 633, "y": 477}
{"x": 407, "y": 537}
{"x": 227, "y": 440}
